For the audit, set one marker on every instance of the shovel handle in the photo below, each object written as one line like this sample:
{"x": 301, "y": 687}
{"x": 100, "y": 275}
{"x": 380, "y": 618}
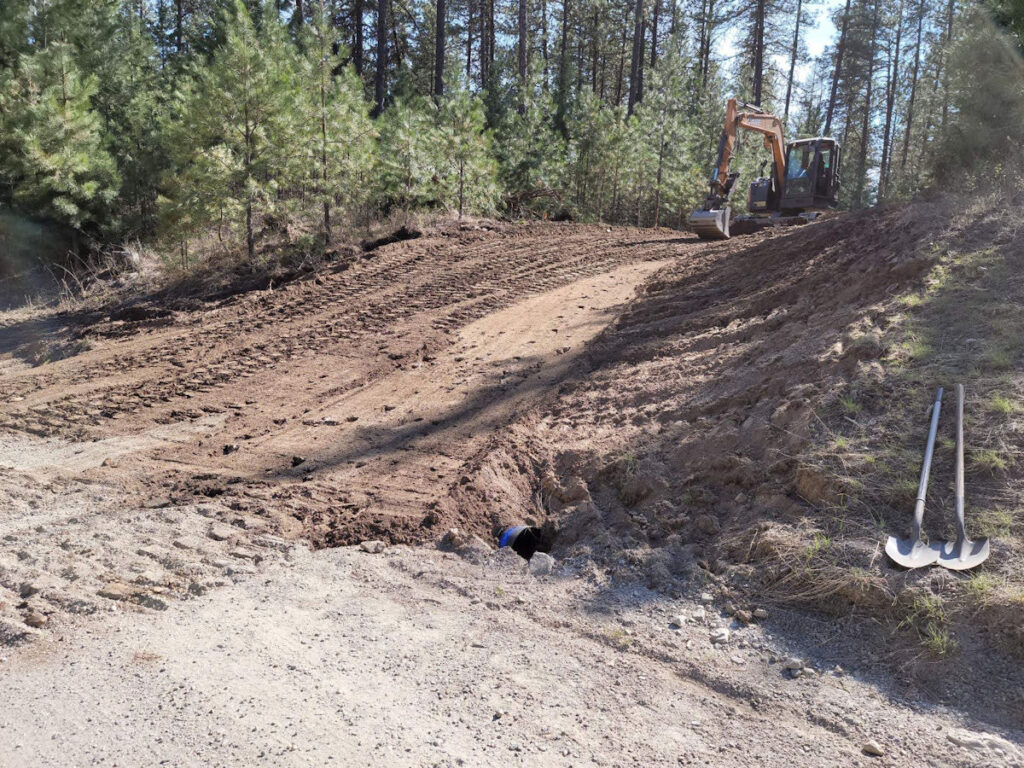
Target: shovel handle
{"x": 922, "y": 487}
{"x": 961, "y": 531}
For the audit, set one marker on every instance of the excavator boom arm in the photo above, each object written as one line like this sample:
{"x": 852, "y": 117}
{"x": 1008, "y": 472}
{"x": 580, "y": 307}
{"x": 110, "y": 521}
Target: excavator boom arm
{"x": 754, "y": 120}
{"x": 712, "y": 221}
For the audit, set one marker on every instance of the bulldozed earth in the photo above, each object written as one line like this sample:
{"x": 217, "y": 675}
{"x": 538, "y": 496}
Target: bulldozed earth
{"x": 260, "y": 526}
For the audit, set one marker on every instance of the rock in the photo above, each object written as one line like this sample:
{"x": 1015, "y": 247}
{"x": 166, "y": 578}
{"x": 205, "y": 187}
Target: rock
{"x": 188, "y": 542}
{"x": 541, "y": 564}
{"x": 374, "y": 547}
{"x": 699, "y": 614}
{"x": 872, "y": 748}
{"x": 793, "y": 663}
{"x": 677, "y": 622}
{"x": 708, "y": 525}
{"x": 706, "y": 598}
{"x": 297, "y": 460}
{"x": 220, "y": 532}
{"x": 230, "y": 448}
{"x": 154, "y": 578}
{"x": 720, "y": 636}
{"x": 744, "y": 616}
{"x": 985, "y": 743}
{"x": 454, "y": 539}
{"x": 729, "y": 608}
{"x": 760, "y": 614}
{"x": 26, "y": 589}
{"x": 814, "y": 486}
{"x": 118, "y": 590}
{"x": 35, "y": 620}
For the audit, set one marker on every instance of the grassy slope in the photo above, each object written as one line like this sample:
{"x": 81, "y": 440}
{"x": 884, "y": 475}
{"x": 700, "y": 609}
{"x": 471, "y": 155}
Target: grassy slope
{"x": 965, "y": 323}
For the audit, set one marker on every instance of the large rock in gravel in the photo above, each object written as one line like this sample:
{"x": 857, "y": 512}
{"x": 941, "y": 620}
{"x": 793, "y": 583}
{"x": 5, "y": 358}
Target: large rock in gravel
{"x": 541, "y": 564}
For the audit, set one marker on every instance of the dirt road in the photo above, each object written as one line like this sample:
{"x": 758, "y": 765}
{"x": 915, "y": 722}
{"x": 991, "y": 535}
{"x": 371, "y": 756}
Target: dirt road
{"x": 416, "y": 657}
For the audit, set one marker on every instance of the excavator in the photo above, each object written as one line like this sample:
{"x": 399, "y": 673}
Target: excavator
{"x": 804, "y": 178}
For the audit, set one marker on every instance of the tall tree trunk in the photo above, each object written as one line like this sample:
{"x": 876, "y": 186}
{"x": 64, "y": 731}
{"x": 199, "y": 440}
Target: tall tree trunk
{"x": 522, "y": 47}
{"x": 638, "y": 54}
{"x": 758, "y": 51}
{"x": 622, "y": 66}
{"x": 544, "y": 39}
{"x": 563, "y": 72}
{"x": 357, "y": 44}
{"x": 179, "y": 26}
{"x": 792, "y": 60}
{"x": 865, "y": 128}
{"x": 300, "y": 14}
{"x": 380, "y": 76}
{"x": 654, "y": 34}
{"x": 840, "y": 48}
{"x": 890, "y": 100}
{"x": 440, "y": 37}
{"x": 950, "y": 8}
{"x": 469, "y": 40}
{"x": 913, "y": 89}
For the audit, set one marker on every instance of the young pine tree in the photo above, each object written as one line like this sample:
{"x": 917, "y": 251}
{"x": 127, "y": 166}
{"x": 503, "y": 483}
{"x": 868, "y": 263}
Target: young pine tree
{"x": 410, "y": 157}
{"x": 340, "y": 134}
{"x": 236, "y": 139}
{"x": 53, "y": 160}
{"x": 471, "y": 177}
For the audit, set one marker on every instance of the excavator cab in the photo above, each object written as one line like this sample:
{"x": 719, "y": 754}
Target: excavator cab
{"x": 812, "y": 175}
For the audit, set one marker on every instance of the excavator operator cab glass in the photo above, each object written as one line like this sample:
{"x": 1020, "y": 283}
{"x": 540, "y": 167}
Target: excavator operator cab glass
{"x": 798, "y": 169}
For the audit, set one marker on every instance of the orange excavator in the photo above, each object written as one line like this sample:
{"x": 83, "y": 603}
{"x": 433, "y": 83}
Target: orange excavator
{"x": 803, "y": 181}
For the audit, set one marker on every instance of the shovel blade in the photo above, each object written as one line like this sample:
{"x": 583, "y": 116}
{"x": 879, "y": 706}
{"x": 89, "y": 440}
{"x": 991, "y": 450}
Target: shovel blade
{"x": 962, "y": 556}
{"x": 910, "y": 553}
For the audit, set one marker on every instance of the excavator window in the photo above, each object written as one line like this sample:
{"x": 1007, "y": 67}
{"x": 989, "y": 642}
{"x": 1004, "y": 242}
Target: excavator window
{"x": 798, "y": 169}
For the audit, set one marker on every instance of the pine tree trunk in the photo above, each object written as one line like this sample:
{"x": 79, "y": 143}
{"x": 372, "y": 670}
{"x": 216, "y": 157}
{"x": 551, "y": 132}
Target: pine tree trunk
{"x": 469, "y": 40}
{"x": 638, "y": 53}
{"x": 563, "y": 71}
{"x": 865, "y": 128}
{"x": 654, "y": 34}
{"x": 758, "y": 51}
{"x": 913, "y": 89}
{"x": 179, "y": 26}
{"x": 300, "y": 13}
{"x": 544, "y": 39}
{"x": 622, "y": 67}
{"x": 357, "y": 43}
{"x": 840, "y": 47}
{"x": 440, "y": 36}
{"x": 890, "y": 100}
{"x": 792, "y": 61}
{"x": 379, "y": 78}
{"x": 324, "y": 173}
{"x": 522, "y": 50}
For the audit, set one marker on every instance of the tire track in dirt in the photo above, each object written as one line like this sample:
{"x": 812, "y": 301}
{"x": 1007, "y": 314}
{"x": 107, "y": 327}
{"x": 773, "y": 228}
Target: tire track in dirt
{"x": 384, "y": 337}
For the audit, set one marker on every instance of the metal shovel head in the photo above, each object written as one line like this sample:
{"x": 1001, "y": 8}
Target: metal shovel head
{"x": 711, "y": 225}
{"x": 910, "y": 553}
{"x": 962, "y": 555}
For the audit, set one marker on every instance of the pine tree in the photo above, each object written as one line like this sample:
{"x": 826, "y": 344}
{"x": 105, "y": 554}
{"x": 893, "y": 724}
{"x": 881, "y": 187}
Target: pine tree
{"x": 340, "y": 135}
{"x": 54, "y": 161}
{"x": 471, "y": 177}
{"x": 233, "y": 137}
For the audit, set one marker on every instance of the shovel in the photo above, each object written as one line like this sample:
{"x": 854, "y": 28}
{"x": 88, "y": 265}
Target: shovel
{"x": 912, "y": 552}
{"x": 963, "y": 553}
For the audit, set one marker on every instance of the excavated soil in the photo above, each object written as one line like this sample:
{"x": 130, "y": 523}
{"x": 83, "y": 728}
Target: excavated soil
{"x": 644, "y": 397}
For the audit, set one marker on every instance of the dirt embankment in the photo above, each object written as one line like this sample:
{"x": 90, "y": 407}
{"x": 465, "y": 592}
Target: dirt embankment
{"x": 755, "y": 417}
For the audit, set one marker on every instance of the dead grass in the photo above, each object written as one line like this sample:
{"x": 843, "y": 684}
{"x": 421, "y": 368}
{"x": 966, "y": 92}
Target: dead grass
{"x": 964, "y": 324}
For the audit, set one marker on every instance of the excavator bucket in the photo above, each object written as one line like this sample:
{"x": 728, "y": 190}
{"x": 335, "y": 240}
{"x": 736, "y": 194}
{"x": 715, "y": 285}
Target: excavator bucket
{"x": 711, "y": 225}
